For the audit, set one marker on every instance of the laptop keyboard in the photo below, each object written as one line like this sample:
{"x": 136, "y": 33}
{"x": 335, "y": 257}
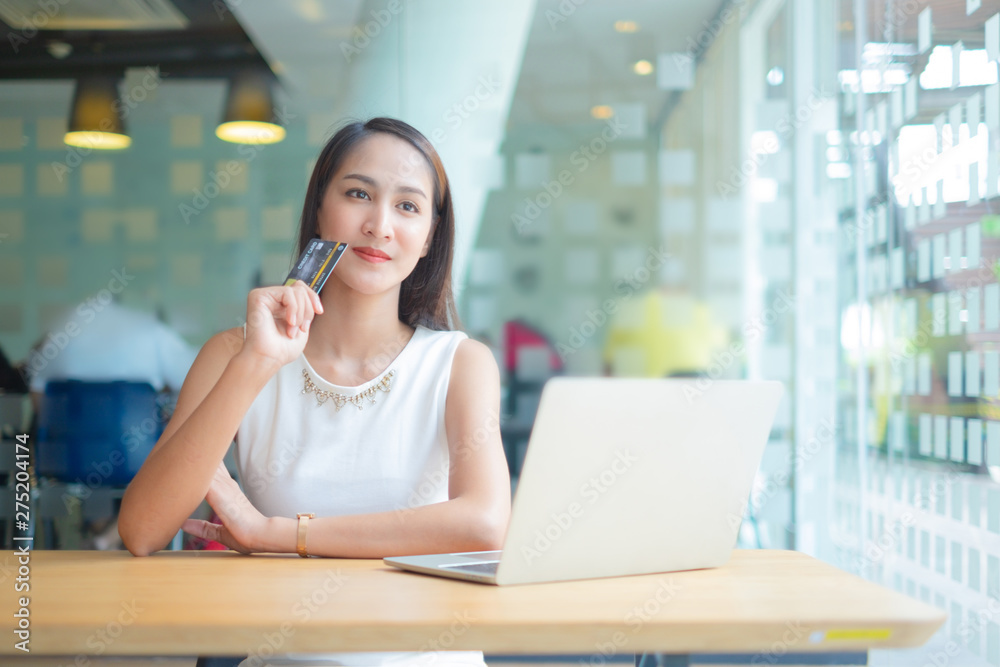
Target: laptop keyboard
{"x": 476, "y": 568}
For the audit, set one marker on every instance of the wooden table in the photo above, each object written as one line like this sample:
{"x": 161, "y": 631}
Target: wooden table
{"x": 218, "y": 603}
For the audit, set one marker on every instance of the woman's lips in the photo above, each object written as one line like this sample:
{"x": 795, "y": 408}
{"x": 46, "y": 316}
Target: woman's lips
{"x": 371, "y": 255}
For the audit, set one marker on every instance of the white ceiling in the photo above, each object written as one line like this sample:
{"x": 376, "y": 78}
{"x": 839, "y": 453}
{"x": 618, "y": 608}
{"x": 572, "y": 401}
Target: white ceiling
{"x": 301, "y": 40}
{"x": 572, "y": 60}
{"x": 572, "y": 65}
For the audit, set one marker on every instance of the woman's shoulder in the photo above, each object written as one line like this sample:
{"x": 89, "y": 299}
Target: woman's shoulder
{"x": 474, "y": 381}
{"x": 473, "y": 359}
{"x": 465, "y": 354}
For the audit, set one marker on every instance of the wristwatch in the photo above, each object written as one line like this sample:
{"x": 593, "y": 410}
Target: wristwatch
{"x": 300, "y": 541}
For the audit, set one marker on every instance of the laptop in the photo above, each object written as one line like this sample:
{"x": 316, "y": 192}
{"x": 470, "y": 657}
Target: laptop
{"x": 626, "y": 476}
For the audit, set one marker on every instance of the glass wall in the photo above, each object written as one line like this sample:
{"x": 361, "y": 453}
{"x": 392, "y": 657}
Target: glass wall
{"x": 755, "y": 227}
{"x": 840, "y": 221}
{"x": 917, "y": 501}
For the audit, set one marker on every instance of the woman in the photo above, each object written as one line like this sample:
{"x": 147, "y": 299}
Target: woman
{"x": 357, "y": 405}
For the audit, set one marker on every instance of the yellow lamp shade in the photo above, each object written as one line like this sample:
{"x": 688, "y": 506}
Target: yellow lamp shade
{"x": 249, "y": 117}
{"x": 94, "y": 120}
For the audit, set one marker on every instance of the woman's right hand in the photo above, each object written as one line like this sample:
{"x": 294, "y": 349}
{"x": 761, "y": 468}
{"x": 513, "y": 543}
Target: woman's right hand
{"x": 278, "y": 320}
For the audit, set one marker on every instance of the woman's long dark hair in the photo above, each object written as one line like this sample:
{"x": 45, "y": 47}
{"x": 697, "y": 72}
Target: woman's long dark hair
{"x": 425, "y": 297}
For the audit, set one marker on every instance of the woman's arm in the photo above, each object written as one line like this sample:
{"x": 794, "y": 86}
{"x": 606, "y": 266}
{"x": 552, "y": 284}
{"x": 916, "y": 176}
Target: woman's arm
{"x": 475, "y": 516}
{"x": 173, "y": 480}
{"x": 223, "y": 382}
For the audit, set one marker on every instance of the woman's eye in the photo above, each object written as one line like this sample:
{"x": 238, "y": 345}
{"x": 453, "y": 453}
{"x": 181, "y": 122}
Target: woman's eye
{"x": 412, "y": 207}
{"x": 357, "y": 193}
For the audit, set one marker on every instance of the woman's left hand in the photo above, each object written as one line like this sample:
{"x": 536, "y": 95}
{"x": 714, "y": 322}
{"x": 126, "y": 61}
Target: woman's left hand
{"x": 242, "y": 523}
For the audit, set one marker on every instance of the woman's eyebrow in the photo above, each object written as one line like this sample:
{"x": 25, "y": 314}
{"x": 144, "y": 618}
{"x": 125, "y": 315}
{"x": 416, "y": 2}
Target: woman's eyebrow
{"x": 371, "y": 181}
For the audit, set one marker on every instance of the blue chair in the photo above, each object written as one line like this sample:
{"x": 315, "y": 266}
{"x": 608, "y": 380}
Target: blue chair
{"x": 96, "y": 433}
{"x": 92, "y": 439}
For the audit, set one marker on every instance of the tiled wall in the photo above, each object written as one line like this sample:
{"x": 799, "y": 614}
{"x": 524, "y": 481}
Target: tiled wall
{"x": 189, "y": 222}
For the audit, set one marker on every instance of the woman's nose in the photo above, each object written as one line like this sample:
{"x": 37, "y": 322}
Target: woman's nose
{"x": 379, "y": 224}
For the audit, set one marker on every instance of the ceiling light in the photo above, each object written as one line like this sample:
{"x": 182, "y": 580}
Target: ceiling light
{"x": 59, "y": 50}
{"x": 94, "y": 121}
{"x": 643, "y": 67}
{"x": 602, "y": 112}
{"x": 626, "y": 26}
{"x": 23, "y": 15}
{"x": 249, "y": 117}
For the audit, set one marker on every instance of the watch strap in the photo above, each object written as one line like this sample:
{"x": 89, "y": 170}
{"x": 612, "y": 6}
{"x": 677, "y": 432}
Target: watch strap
{"x": 300, "y": 539}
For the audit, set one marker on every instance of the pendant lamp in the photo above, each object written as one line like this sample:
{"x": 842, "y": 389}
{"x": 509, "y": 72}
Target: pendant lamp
{"x": 249, "y": 116}
{"x": 94, "y": 120}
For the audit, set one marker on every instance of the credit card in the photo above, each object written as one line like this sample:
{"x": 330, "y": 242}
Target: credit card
{"x": 316, "y": 263}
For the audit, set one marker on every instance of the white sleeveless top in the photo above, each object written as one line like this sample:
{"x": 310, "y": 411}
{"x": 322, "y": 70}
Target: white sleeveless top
{"x": 295, "y": 455}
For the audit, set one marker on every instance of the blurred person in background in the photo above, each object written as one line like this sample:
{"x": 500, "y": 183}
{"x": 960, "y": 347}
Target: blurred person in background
{"x": 103, "y": 341}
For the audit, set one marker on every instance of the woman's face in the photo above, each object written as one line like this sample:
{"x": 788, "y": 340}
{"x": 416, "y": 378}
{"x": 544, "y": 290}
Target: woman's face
{"x": 382, "y": 207}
